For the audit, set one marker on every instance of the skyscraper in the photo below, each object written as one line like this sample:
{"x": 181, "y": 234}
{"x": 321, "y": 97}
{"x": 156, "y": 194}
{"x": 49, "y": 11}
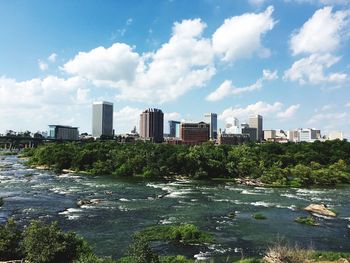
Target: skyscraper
{"x": 256, "y": 121}
{"x": 174, "y": 129}
{"x": 212, "y": 120}
{"x": 152, "y": 125}
{"x": 102, "y": 119}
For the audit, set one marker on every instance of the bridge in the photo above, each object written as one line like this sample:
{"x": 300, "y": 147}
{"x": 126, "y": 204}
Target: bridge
{"x": 19, "y": 142}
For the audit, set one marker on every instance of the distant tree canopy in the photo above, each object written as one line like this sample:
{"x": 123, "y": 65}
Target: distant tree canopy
{"x": 291, "y": 164}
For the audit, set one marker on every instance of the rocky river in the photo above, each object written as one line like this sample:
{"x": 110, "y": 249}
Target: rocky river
{"x": 120, "y": 207}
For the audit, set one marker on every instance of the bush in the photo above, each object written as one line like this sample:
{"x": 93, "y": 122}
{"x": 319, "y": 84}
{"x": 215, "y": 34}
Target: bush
{"x": 47, "y": 243}
{"x": 259, "y": 216}
{"x": 10, "y": 238}
{"x": 140, "y": 251}
{"x": 306, "y": 220}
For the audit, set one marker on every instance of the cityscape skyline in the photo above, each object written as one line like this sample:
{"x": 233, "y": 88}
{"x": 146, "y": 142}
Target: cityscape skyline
{"x": 286, "y": 60}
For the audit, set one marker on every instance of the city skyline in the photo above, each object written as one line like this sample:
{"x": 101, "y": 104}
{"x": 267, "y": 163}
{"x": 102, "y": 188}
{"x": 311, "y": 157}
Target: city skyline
{"x": 286, "y": 60}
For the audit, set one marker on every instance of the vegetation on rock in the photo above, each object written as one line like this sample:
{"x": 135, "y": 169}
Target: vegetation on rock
{"x": 306, "y": 220}
{"x": 186, "y": 233}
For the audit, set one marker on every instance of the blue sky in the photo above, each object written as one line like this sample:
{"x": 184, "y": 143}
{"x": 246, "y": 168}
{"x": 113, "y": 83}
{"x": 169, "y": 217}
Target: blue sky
{"x": 288, "y": 60}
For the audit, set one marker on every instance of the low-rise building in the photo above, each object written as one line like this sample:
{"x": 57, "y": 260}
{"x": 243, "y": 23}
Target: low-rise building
{"x": 194, "y": 133}
{"x": 64, "y": 133}
{"x": 233, "y": 139}
{"x": 251, "y": 132}
{"x": 336, "y": 135}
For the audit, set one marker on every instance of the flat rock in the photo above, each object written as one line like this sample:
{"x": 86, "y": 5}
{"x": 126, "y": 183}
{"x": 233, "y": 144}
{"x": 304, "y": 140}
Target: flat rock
{"x": 320, "y": 209}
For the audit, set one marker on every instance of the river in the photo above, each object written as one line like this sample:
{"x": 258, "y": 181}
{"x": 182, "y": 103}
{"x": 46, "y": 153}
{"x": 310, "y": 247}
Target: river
{"x": 128, "y": 206}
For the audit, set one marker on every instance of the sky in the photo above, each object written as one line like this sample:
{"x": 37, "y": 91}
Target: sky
{"x": 287, "y": 60}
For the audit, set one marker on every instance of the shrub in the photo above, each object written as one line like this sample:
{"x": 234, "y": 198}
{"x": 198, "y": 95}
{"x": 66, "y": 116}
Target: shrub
{"x": 259, "y": 216}
{"x": 10, "y": 238}
{"x": 306, "y": 220}
{"x": 47, "y": 243}
{"x": 141, "y": 252}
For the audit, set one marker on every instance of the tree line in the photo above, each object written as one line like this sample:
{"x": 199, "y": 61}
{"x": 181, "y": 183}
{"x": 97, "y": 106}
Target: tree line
{"x": 291, "y": 164}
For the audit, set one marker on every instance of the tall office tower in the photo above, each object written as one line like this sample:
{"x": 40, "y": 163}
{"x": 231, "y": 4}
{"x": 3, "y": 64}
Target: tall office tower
{"x": 152, "y": 125}
{"x": 102, "y": 119}
{"x": 256, "y": 121}
{"x": 174, "y": 129}
{"x": 212, "y": 120}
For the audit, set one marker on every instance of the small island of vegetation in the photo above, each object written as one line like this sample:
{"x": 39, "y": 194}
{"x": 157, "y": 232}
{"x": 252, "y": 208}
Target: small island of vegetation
{"x": 315, "y": 164}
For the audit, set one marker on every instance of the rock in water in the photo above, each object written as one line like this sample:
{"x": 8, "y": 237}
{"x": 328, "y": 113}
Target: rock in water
{"x": 320, "y": 209}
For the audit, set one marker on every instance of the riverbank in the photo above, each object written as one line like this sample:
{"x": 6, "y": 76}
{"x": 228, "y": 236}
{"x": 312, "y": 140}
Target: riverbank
{"x": 318, "y": 164}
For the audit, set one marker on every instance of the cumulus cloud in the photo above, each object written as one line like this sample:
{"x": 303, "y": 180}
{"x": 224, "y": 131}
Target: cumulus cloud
{"x": 39, "y": 101}
{"x": 289, "y": 112}
{"x": 227, "y": 88}
{"x": 240, "y": 36}
{"x": 42, "y": 65}
{"x": 52, "y": 58}
{"x": 323, "y": 32}
{"x": 260, "y": 107}
{"x": 127, "y": 117}
{"x": 117, "y": 63}
{"x": 312, "y": 70}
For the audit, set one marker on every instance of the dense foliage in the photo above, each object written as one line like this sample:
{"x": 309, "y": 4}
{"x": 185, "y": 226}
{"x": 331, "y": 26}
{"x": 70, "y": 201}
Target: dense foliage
{"x": 185, "y": 233}
{"x": 303, "y": 164}
{"x": 44, "y": 243}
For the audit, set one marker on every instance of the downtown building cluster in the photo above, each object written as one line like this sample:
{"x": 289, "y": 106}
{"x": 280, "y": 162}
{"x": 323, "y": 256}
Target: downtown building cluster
{"x": 151, "y": 128}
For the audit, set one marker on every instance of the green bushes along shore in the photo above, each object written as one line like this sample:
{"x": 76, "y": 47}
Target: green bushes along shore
{"x": 296, "y": 165}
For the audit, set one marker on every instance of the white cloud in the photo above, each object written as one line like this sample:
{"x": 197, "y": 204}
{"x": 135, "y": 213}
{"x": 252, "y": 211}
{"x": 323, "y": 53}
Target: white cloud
{"x": 321, "y": 2}
{"x": 171, "y": 116}
{"x": 52, "y": 58}
{"x": 347, "y": 104}
{"x": 257, "y": 3}
{"x": 323, "y": 32}
{"x": 181, "y": 64}
{"x": 39, "y": 102}
{"x": 42, "y": 65}
{"x": 129, "y": 21}
{"x": 240, "y": 36}
{"x": 117, "y": 63}
{"x": 227, "y": 88}
{"x": 289, "y": 112}
{"x": 260, "y": 107}
{"x": 311, "y": 70}
{"x": 126, "y": 118}
{"x": 333, "y": 117}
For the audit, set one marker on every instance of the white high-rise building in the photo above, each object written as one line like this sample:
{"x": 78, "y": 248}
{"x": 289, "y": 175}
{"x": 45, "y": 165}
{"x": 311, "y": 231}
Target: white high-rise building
{"x": 102, "y": 119}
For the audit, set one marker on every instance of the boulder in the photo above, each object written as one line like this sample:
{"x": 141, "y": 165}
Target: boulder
{"x": 320, "y": 209}
{"x": 88, "y": 202}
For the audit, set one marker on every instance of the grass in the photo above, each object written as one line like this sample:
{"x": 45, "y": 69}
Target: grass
{"x": 306, "y": 220}
{"x": 8, "y": 153}
{"x": 185, "y": 233}
{"x": 259, "y": 216}
{"x": 285, "y": 253}
{"x": 330, "y": 256}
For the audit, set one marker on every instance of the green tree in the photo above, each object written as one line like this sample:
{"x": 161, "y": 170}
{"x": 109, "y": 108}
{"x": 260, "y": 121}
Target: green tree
{"x": 141, "y": 252}
{"x": 48, "y": 244}
{"x": 10, "y": 238}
